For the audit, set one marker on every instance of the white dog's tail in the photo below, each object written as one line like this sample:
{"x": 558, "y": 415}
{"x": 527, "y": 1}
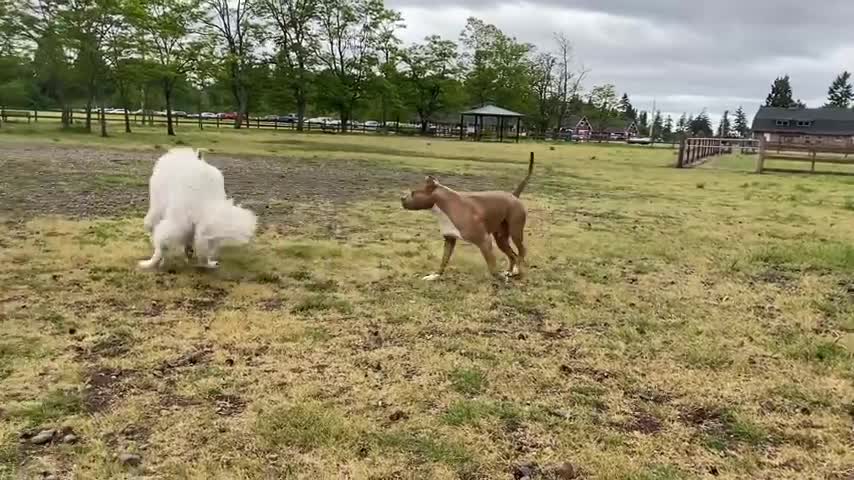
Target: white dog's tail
{"x": 227, "y": 223}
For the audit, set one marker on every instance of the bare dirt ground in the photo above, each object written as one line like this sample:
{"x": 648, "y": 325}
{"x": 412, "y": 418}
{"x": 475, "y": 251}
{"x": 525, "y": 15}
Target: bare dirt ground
{"x": 83, "y": 182}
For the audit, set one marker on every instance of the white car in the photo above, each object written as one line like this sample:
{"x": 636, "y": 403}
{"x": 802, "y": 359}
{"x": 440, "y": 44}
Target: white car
{"x": 371, "y": 124}
{"x": 208, "y": 115}
{"x": 319, "y": 120}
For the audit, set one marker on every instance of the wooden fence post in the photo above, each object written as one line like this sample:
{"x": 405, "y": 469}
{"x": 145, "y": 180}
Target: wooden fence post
{"x": 680, "y": 161}
{"x": 760, "y": 160}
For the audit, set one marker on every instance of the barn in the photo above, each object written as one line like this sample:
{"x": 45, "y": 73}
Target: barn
{"x": 805, "y": 126}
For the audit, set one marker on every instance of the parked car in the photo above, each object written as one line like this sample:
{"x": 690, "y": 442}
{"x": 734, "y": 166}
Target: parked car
{"x": 371, "y": 124}
{"x": 270, "y": 118}
{"x": 228, "y": 115}
{"x": 208, "y": 115}
{"x": 289, "y": 118}
{"x": 640, "y": 140}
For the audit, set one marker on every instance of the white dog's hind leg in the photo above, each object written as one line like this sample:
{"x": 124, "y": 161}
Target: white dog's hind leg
{"x": 156, "y": 260}
{"x": 165, "y": 232}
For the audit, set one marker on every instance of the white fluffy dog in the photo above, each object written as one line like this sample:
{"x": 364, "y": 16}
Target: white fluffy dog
{"x": 188, "y": 209}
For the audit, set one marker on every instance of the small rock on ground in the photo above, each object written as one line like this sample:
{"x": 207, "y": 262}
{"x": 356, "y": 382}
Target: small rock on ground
{"x": 45, "y": 436}
{"x": 130, "y": 460}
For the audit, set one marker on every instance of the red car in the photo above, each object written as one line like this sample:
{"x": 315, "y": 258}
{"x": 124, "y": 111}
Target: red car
{"x": 228, "y": 115}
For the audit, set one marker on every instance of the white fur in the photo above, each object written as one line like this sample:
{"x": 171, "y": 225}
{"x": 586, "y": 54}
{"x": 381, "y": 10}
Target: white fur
{"x": 446, "y": 226}
{"x": 188, "y": 206}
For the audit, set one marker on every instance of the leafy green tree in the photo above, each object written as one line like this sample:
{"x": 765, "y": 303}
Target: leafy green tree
{"x": 297, "y": 43}
{"x": 166, "y": 39}
{"x": 429, "y": 71}
{"x": 497, "y": 68}
{"x": 234, "y": 29}
{"x": 351, "y": 34}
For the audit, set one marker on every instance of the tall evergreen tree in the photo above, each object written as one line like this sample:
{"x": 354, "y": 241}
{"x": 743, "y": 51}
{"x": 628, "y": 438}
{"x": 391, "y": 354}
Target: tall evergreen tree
{"x": 841, "y": 93}
{"x": 701, "y": 126}
{"x": 626, "y": 108}
{"x": 781, "y": 94}
{"x": 667, "y": 132}
{"x": 657, "y": 126}
{"x": 724, "y": 127}
{"x": 741, "y": 128}
{"x": 682, "y": 124}
{"x": 643, "y": 123}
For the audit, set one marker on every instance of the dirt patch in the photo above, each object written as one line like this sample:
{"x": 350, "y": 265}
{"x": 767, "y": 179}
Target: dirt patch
{"x": 643, "y": 423}
{"x": 702, "y": 416}
{"x": 228, "y": 405}
{"x": 780, "y": 278}
{"x": 103, "y": 387}
{"x": 200, "y": 355}
{"x": 97, "y": 182}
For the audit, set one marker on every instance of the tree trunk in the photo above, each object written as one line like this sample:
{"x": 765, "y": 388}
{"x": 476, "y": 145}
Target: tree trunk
{"x": 127, "y": 118}
{"x": 301, "y": 107}
{"x": 167, "y": 94}
{"x": 423, "y": 126}
{"x": 89, "y": 115}
{"x": 66, "y": 118}
{"x": 345, "y": 117}
{"x": 103, "y": 123}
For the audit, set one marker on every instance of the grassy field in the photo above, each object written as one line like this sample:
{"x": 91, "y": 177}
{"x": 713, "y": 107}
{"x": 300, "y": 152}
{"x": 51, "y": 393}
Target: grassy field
{"x": 675, "y": 324}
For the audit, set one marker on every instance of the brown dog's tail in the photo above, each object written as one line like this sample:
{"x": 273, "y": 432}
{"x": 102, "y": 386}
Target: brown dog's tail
{"x": 524, "y": 183}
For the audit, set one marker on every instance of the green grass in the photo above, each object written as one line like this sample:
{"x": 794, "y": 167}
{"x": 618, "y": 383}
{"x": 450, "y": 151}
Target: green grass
{"x": 675, "y": 324}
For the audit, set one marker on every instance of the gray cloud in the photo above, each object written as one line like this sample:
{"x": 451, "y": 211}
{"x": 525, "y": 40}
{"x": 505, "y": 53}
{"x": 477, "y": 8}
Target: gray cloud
{"x": 687, "y": 55}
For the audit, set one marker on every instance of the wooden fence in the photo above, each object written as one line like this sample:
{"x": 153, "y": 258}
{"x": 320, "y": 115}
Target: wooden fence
{"x": 118, "y": 119}
{"x": 696, "y": 151}
{"x": 839, "y": 153}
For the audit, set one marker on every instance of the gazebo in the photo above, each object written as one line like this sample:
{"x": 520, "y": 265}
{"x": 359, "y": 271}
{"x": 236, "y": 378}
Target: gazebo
{"x": 500, "y": 115}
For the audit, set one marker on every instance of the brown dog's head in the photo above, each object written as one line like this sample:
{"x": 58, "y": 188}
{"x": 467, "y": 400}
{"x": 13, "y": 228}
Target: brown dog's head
{"x": 422, "y": 198}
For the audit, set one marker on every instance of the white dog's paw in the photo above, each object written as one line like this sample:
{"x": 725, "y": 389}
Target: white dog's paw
{"x": 431, "y": 277}
{"x": 211, "y": 264}
{"x": 147, "y": 264}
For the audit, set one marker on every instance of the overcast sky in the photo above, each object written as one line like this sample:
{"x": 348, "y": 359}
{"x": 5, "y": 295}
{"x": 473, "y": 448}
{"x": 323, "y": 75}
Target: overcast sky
{"x": 687, "y": 55}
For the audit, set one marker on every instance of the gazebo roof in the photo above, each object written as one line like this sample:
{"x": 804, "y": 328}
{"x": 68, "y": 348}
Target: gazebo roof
{"x": 492, "y": 111}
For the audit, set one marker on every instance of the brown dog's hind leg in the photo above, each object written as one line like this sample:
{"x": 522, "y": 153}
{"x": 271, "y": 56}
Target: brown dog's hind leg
{"x": 518, "y": 236}
{"x": 485, "y": 246}
{"x": 502, "y": 239}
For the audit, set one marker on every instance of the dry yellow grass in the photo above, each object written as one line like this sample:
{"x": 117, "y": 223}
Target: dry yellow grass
{"x": 675, "y": 324}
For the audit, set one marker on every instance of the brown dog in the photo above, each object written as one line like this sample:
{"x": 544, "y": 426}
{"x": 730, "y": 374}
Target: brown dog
{"x": 476, "y": 217}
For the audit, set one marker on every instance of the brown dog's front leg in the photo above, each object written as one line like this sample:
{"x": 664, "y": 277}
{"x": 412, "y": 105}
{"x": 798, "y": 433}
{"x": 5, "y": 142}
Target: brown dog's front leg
{"x": 450, "y": 243}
